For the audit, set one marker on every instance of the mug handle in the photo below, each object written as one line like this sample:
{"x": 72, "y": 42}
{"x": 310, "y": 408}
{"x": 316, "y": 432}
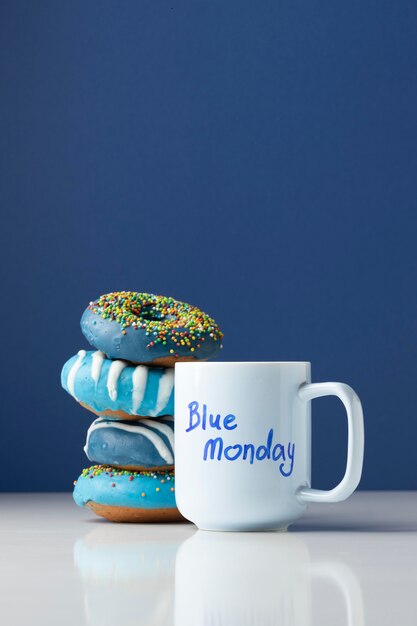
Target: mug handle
{"x": 356, "y": 439}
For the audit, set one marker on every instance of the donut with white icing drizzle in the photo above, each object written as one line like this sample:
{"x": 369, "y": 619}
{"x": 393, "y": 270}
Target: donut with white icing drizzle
{"x": 117, "y": 389}
{"x": 144, "y": 444}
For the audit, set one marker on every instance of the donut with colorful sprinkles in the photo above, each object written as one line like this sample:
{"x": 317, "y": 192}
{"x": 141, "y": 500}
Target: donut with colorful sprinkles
{"x": 126, "y": 496}
{"x": 150, "y": 329}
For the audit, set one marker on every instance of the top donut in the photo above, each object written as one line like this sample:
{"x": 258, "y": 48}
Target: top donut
{"x": 144, "y": 328}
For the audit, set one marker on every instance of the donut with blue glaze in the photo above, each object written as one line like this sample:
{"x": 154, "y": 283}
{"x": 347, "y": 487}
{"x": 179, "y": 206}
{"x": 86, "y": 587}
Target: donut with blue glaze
{"x": 124, "y": 496}
{"x": 144, "y": 328}
{"x": 117, "y": 389}
{"x": 147, "y": 444}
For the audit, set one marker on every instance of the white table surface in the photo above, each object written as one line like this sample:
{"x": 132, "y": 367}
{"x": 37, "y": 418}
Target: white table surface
{"x": 352, "y": 563}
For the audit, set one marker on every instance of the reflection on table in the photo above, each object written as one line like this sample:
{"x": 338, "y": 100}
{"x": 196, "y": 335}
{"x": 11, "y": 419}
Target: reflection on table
{"x": 130, "y": 576}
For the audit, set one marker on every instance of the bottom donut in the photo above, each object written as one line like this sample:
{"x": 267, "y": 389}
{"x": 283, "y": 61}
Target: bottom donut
{"x": 128, "y": 496}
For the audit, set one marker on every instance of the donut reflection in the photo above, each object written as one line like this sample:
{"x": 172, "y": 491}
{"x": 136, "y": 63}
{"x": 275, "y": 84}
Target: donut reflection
{"x": 127, "y": 574}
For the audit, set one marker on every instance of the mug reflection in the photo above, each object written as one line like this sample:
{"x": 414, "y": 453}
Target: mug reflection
{"x": 251, "y": 579}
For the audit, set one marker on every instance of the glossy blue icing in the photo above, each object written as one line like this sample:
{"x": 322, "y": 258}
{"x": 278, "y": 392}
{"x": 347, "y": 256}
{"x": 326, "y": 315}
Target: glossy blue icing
{"x": 126, "y": 492}
{"x": 140, "y": 444}
{"x": 106, "y": 335}
{"x": 96, "y": 395}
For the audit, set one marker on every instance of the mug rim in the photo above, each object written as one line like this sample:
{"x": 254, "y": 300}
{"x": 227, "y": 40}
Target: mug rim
{"x": 213, "y": 363}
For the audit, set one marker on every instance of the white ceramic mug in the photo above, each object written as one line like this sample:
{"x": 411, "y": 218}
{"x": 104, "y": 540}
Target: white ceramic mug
{"x": 243, "y": 443}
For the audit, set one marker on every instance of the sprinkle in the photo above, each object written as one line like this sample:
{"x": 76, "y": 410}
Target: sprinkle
{"x": 172, "y": 489}
{"x": 157, "y": 489}
{"x": 143, "y": 494}
{"x": 113, "y": 484}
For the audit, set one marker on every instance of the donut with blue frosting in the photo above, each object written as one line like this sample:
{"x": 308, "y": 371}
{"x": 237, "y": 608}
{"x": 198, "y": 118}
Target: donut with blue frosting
{"x": 118, "y": 389}
{"x": 145, "y": 328}
{"x": 124, "y": 496}
{"x": 147, "y": 444}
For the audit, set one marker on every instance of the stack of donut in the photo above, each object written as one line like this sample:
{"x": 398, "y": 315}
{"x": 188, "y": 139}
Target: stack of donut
{"x": 128, "y": 382}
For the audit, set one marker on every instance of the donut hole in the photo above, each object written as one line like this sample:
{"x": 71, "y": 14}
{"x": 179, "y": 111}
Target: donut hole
{"x": 148, "y": 313}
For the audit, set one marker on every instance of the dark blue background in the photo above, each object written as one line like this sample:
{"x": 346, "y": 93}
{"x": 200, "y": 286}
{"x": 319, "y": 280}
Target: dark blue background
{"x": 257, "y": 159}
